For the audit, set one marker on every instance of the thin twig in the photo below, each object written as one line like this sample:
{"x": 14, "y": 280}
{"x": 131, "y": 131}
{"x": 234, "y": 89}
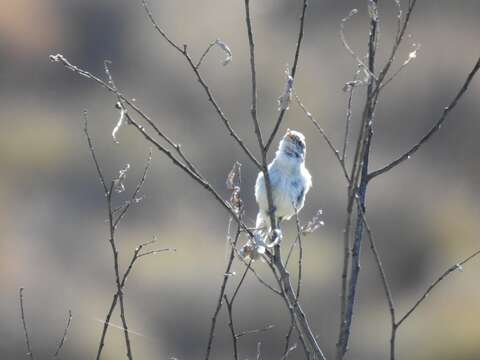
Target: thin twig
{"x": 348, "y": 119}
{"x": 106, "y": 323}
{"x": 288, "y": 352}
{"x": 183, "y": 51}
{"x": 435, "y": 127}
{"x": 298, "y": 240}
{"x": 457, "y": 266}
{"x": 324, "y": 135}
{"x": 232, "y": 327}
{"x": 229, "y": 304}
{"x": 259, "y": 351}
{"x": 349, "y": 48}
{"x": 291, "y": 310}
{"x": 226, "y": 277}
{"x": 24, "y": 323}
{"x": 359, "y": 173}
{"x": 292, "y": 73}
{"x": 242, "y": 279}
{"x": 253, "y": 112}
{"x": 64, "y": 336}
{"x": 92, "y": 152}
{"x": 119, "y": 280}
{"x": 209, "y": 47}
{"x": 385, "y": 283}
{"x": 185, "y": 167}
{"x": 255, "y": 331}
{"x": 139, "y": 187}
{"x": 122, "y": 106}
{"x": 116, "y": 268}
{"x": 398, "y": 40}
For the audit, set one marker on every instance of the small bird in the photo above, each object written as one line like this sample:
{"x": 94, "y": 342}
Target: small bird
{"x": 290, "y": 181}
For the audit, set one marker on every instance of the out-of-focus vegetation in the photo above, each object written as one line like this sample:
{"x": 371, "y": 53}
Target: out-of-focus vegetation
{"x": 53, "y": 235}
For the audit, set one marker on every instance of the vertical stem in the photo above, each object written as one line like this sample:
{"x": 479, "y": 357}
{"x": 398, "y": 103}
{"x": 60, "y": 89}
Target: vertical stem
{"x": 232, "y": 328}
{"x": 226, "y": 277}
{"x": 117, "y": 272}
{"x": 392, "y": 341}
{"x": 362, "y": 156}
{"x": 24, "y": 323}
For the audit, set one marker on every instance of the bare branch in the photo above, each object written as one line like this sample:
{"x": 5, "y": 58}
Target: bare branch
{"x": 289, "y": 350}
{"x": 298, "y": 240}
{"x": 226, "y": 277}
{"x": 435, "y": 127}
{"x": 251, "y": 43}
{"x": 398, "y": 39}
{"x": 259, "y": 351}
{"x": 347, "y": 46}
{"x": 232, "y": 327}
{"x": 411, "y": 56}
{"x": 457, "y": 266}
{"x": 24, "y": 323}
{"x": 255, "y": 331}
{"x": 139, "y": 187}
{"x": 357, "y": 191}
{"x": 64, "y": 336}
{"x": 385, "y": 283}
{"x": 222, "y": 46}
{"x": 92, "y": 152}
{"x": 324, "y": 135}
{"x": 292, "y": 73}
{"x": 211, "y": 99}
{"x": 350, "y": 88}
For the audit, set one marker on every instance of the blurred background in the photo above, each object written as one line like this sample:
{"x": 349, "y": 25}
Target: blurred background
{"x": 53, "y": 234}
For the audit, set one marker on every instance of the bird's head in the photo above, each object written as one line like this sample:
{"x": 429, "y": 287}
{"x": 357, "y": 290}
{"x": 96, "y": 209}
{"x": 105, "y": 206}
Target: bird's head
{"x": 293, "y": 145}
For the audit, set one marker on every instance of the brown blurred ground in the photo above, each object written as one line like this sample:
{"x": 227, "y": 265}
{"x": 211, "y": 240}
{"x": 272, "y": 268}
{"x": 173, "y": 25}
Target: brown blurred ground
{"x": 52, "y": 231}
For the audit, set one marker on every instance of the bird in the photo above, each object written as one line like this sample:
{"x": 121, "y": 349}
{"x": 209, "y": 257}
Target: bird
{"x": 290, "y": 182}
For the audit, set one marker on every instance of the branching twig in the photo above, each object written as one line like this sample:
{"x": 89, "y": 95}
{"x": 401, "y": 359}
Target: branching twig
{"x": 298, "y": 240}
{"x": 226, "y": 276}
{"x": 347, "y": 46}
{"x": 398, "y": 40}
{"x": 113, "y": 222}
{"x": 253, "y": 112}
{"x": 139, "y": 187}
{"x": 183, "y": 51}
{"x": 185, "y": 167}
{"x": 357, "y": 192}
{"x": 292, "y": 73}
